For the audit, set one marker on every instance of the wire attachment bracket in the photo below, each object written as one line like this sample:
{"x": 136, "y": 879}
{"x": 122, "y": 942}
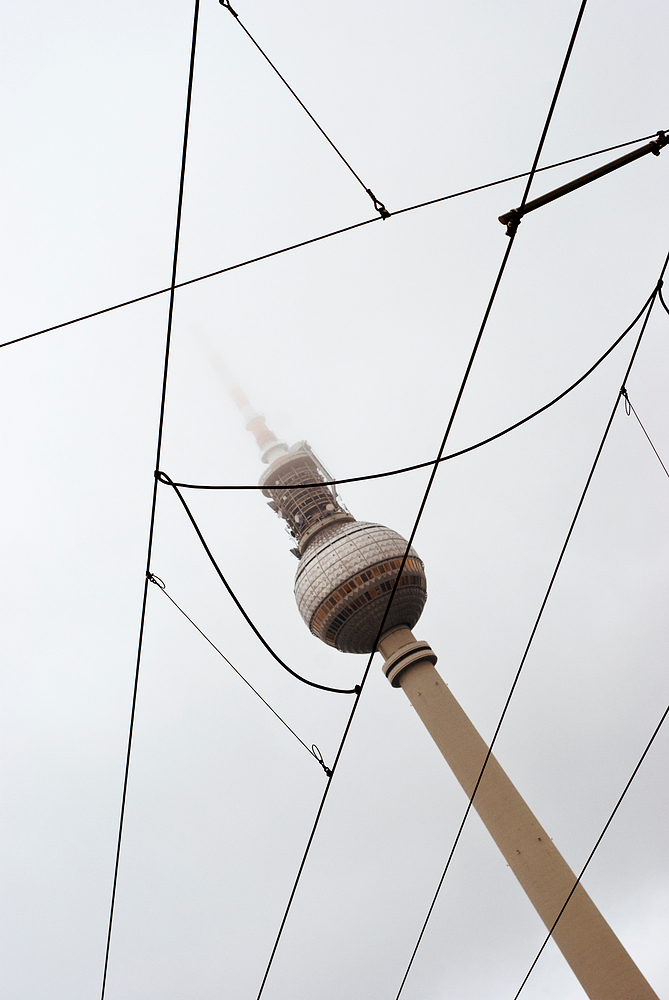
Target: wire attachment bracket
{"x": 628, "y": 405}
{"x": 152, "y": 578}
{"x": 226, "y": 4}
{"x": 512, "y": 219}
{"x": 378, "y": 205}
{"x": 319, "y": 757}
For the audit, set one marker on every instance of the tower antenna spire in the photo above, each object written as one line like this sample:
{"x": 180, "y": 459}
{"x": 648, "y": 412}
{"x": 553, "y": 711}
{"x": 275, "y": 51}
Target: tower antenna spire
{"x": 270, "y": 446}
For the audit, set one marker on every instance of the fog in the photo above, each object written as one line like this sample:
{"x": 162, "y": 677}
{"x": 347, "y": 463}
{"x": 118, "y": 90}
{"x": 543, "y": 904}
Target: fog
{"x": 357, "y": 343}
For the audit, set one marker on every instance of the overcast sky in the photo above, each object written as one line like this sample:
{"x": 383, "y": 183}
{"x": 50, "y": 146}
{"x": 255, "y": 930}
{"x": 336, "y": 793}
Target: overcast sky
{"x": 358, "y": 344}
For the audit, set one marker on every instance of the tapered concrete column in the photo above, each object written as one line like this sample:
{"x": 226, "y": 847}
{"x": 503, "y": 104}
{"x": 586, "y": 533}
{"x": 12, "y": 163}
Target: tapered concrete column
{"x": 596, "y": 956}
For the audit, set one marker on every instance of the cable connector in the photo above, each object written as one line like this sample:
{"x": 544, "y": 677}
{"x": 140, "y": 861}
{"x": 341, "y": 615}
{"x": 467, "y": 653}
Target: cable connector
{"x": 657, "y": 144}
{"x": 226, "y": 4}
{"x": 511, "y": 220}
{"x": 319, "y": 757}
{"x": 152, "y": 578}
{"x": 628, "y": 405}
{"x": 378, "y": 205}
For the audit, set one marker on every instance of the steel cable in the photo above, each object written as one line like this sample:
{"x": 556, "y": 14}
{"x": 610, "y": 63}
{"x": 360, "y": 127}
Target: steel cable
{"x": 161, "y": 420}
{"x": 424, "y": 500}
{"x": 162, "y": 477}
{"x": 453, "y": 454}
{"x": 592, "y": 852}
{"x": 533, "y": 632}
{"x": 378, "y": 205}
{"x": 160, "y": 584}
{"x": 304, "y": 243}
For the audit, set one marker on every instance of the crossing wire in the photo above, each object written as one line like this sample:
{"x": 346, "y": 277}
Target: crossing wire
{"x": 426, "y": 494}
{"x": 592, "y": 852}
{"x": 619, "y": 396}
{"x": 164, "y": 478}
{"x": 161, "y": 419}
{"x": 453, "y": 454}
{"x": 313, "y": 749}
{"x": 628, "y": 403}
{"x": 309, "y": 242}
{"x": 378, "y": 205}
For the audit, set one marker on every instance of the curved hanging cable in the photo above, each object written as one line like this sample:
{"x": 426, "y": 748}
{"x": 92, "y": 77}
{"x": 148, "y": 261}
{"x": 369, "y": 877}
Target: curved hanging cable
{"x": 162, "y": 477}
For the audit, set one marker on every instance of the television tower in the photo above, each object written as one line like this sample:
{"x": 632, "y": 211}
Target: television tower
{"x": 344, "y": 580}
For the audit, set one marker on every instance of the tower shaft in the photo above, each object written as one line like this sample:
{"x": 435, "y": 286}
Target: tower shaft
{"x": 600, "y": 962}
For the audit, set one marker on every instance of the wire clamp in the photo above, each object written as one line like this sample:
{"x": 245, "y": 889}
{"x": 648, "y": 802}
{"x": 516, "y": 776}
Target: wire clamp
{"x": 511, "y": 220}
{"x": 226, "y": 4}
{"x": 319, "y": 757}
{"x": 152, "y": 578}
{"x": 628, "y": 405}
{"x": 378, "y": 205}
{"x": 656, "y": 146}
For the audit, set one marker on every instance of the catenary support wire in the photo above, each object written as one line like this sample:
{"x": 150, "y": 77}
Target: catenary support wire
{"x": 664, "y": 304}
{"x": 453, "y": 454}
{"x": 163, "y": 478}
{"x": 424, "y": 500}
{"x": 378, "y": 205}
{"x": 313, "y": 749}
{"x": 592, "y": 852}
{"x": 532, "y": 635}
{"x": 161, "y": 420}
{"x": 630, "y": 409}
{"x": 305, "y": 243}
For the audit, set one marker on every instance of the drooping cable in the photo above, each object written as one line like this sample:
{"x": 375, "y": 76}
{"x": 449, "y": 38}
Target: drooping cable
{"x": 533, "y": 633}
{"x": 313, "y": 749}
{"x": 592, "y": 852}
{"x": 304, "y": 243}
{"x": 453, "y": 454}
{"x": 164, "y": 478}
{"x": 630, "y": 409}
{"x": 378, "y": 205}
{"x": 161, "y": 420}
{"x": 664, "y": 304}
{"x": 421, "y": 509}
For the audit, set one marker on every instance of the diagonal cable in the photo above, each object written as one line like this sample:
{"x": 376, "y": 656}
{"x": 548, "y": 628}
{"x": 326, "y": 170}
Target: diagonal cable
{"x": 592, "y": 852}
{"x": 304, "y": 243}
{"x": 378, "y": 205}
{"x": 164, "y": 478}
{"x": 453, "y": 454}
{"x": 424, "y": 500}
{"x": 531, "y": 638}
{"x": 630, "y": 409}
{"x": 313, "y": 749}
{"x": 161, "y": 419}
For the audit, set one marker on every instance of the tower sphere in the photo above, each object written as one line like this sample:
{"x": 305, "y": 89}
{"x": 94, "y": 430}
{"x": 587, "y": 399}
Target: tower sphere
{"x": 344, "y": 581}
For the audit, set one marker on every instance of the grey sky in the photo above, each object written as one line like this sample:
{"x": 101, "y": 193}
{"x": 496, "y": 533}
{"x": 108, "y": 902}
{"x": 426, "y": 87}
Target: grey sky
{"x": 358, "y": 344}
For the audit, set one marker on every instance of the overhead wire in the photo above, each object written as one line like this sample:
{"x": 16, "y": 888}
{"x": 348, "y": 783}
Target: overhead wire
{"x": 161, "y": 420}
{"x": 313, "y": 749}
{"x": 619, "y": 396}
{"x": 378, "y": 205}
{"x": 664, "y": 304}
{"x": 162, "y": 477}
{"x": 425, "y": 497}
{"x": 594, "y": 849}
{"x": 304, "y": 243}
{"x": 453, "y": 454}
{"x": 630, "y": 409}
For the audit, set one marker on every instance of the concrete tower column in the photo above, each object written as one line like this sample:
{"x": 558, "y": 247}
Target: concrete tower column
{"x": 596, "y": 956}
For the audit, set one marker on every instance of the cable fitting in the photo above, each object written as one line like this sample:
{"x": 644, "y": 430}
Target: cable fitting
{"x": 628, "y": 405}
{"x": 226, "y": 4}
{"x": 511, "y": 220}
{"x": 319, "y": 757}
{"x": 378, "y": 205}
{"x": 152, "y": 578}
{"x": 656, "y": 146}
